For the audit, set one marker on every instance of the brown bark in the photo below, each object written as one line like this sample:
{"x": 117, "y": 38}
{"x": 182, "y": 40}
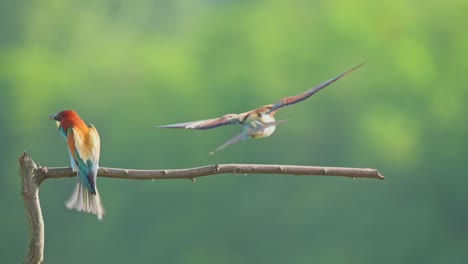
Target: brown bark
{"x": 193, "y": 173}
{"x": 33, "y": 175}
{"x": 30, "y": 181}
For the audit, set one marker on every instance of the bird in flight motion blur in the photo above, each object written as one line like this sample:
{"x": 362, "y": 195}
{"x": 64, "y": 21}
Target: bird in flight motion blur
{"x": 257, "y": 123}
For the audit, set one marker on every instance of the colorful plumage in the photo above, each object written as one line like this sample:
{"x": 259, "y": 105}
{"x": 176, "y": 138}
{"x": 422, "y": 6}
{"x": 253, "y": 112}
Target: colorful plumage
{"x": 257, "y": 123}
{"x": 84, "y": 149}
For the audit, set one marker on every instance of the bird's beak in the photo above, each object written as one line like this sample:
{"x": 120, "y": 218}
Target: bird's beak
{"x": 52, "y": 117}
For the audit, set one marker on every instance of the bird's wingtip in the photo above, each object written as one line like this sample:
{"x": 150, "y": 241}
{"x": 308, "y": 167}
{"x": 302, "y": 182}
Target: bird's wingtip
{"x": 169, "y": 126}
{"x": 359, "y": 65}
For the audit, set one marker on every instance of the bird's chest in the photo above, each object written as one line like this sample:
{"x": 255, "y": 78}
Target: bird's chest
{"x": 262, "y": 126}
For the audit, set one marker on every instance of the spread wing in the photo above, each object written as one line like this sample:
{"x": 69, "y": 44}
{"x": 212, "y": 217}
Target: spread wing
{"x": 231, "y": 141}
{"x": 229, "y": 119}
{"x": 301, "y": 97}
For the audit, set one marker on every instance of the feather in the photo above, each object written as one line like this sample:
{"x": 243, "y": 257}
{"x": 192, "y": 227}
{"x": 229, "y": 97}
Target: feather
{"x": 250, "y": 131}
{"x": 228, "y": 119}
{"x": 239, "y": 137}
{"x": 301, "y": 97}
{"x": 83, "y": 201}
{"x": 84, "y": 150}
{"x": 87, "y": 148}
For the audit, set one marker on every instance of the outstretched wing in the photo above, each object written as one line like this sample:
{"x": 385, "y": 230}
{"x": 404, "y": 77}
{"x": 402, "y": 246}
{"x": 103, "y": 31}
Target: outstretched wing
{"x": 232, "y": 141}
{"x": 229, "y": 119}
{"x": 301, "y": 97}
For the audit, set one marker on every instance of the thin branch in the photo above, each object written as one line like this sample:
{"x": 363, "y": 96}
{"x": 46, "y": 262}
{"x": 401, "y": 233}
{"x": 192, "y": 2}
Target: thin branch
{"x": 30, "y": 191}
{"x": 33, "y": 175}
{"x": 245, "y": 169}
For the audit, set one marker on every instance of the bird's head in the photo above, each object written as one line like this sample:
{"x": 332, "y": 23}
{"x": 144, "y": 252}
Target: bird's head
{"x": 66, "y": 115}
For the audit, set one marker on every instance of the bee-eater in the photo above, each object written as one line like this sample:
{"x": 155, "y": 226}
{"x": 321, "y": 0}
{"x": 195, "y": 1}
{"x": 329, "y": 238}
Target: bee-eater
{"x": 257, "y": 123}
{"x": 84, "y": 149}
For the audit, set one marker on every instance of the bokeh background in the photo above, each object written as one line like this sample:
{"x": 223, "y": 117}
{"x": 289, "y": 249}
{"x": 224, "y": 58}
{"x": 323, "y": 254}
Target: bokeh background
{"x": 128, "y": 65}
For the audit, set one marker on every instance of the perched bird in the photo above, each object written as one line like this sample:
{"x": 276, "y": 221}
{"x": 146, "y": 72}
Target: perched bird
{"x": 257, "y": 123}
{"x": 84, "y": 149}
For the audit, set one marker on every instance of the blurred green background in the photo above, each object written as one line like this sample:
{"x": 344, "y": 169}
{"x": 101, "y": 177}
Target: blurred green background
{"x": 128, "y": 65}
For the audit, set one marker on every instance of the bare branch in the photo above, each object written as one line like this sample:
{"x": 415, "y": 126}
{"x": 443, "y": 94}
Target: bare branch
{"x": 30, "y": 191}
{"x": 193, "y": 173}
{"x": 32, "y": 176}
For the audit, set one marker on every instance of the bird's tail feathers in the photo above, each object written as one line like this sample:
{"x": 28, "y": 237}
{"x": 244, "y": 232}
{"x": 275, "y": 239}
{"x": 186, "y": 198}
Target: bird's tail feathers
{"x": 83, "y": 200}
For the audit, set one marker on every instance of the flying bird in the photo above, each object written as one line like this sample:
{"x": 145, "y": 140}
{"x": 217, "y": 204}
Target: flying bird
{"x": 257, "y": 123}
{"x": 84, "y": 149}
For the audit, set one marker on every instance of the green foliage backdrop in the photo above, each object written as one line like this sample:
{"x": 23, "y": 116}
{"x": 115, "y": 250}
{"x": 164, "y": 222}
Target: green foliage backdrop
{"x": 128, "y": 65}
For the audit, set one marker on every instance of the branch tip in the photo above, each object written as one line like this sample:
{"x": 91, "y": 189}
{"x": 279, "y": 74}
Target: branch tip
{"x": 24, "y": 157}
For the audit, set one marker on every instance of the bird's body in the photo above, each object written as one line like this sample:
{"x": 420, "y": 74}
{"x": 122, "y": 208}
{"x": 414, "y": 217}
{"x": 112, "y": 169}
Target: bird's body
{"x": 257, "y": 123}
{"x": 261, "y": 125}
{"x": 84, "y": 149}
